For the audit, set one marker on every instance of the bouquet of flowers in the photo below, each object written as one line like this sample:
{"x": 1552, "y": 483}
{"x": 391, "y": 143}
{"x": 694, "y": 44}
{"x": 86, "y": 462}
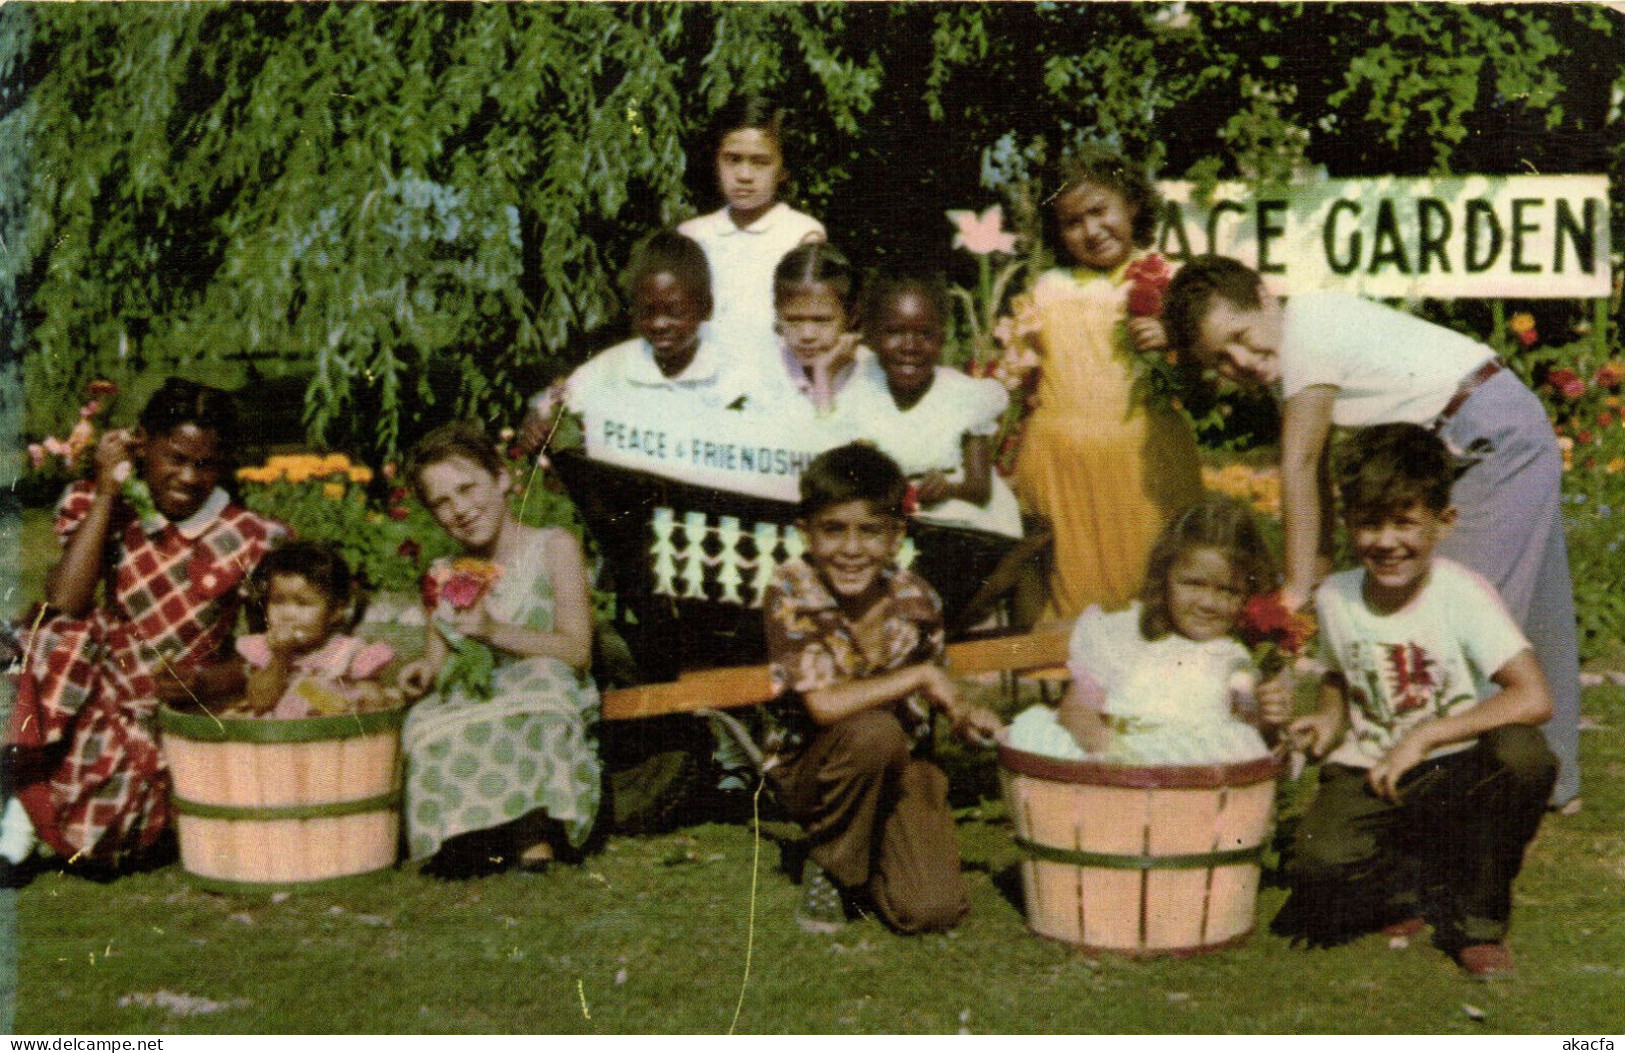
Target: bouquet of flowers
{"x": 1275, "y": 635}
{"x": 461, "y": 584}
{"x": 1156, "y": 375}
{"x": 70, "y": 449}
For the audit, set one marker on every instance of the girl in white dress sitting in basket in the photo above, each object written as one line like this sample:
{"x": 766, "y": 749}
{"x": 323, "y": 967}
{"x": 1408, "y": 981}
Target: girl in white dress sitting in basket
{"x": 1163, "y": 682}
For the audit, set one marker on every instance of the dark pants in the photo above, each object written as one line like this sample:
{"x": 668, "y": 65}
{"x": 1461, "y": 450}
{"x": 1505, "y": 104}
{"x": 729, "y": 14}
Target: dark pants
{"x": 1450, "y": 849}
{"x": 878, "y": 818}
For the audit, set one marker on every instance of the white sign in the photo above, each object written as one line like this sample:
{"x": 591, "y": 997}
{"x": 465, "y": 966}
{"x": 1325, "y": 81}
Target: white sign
{"x": 740, "y": 453}
{"x": 1524, "y": 236}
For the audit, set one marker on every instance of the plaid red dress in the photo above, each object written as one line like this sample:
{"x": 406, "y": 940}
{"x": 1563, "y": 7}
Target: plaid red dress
{"x": 96, "y": 785}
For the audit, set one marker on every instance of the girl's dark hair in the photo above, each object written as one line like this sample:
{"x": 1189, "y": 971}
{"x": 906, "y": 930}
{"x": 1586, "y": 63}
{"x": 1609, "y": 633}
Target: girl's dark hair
{"x": 1096, "y": 167}
{"x": 1191, "y": 294}
{"x": 1213, "y": 522}
{"x": 668, "y": 252}
{"x": 889, "y": 285}
{"x": 854, "y": 472}
{"x": 817, "y": 263}
{"x": 180, "y": 402}
{"x": 459, "y": 438}
{"x": 751, "y": 111}
{"x": 320, "y": 564}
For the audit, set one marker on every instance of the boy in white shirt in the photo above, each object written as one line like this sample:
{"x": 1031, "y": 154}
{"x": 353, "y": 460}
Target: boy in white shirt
{"x": 665, "y": 372}
{"x": 1436, "y": 775}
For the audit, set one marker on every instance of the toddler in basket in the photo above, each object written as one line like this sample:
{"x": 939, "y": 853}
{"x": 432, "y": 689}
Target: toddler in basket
{"x": 1163, "y": 682}
{"x": 302, "y": 665}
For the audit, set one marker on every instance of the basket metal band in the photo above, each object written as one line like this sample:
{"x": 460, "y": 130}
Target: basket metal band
{"x": 263, "y": 813}
{"x": 1109, "y": 861}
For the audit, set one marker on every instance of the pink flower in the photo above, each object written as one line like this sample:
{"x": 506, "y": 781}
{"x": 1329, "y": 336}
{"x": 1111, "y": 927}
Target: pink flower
{"x": 36, "y": 455}
{"x": 1528, "y": 337}
{"x": 984, "y": 234}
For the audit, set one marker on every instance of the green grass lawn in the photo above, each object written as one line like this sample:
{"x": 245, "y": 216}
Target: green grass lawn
{"x": 651, "y": 934}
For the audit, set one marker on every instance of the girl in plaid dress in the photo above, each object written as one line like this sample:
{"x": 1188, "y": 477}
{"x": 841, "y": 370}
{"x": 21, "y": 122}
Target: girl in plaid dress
{"x": 169, "y": 549}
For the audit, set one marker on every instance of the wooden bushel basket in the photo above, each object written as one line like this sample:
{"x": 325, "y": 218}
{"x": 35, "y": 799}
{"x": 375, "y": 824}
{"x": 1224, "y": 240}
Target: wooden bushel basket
{"x": 264, "y": 805}
{"x": 1139, "y": 861}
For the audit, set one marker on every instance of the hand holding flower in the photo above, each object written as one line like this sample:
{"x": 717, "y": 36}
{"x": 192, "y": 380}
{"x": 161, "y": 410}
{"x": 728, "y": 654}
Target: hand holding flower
{"x": 416, "y": 678}
{"x": 113, "y": 458}
{"x": 1147, "y": 335}
{"x": 1275, "y": 699}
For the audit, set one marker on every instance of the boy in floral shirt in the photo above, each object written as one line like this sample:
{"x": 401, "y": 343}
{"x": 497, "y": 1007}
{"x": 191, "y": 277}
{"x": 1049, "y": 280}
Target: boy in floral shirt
{"x": 1437, "y": 775}
{"x": 855, "y": 646}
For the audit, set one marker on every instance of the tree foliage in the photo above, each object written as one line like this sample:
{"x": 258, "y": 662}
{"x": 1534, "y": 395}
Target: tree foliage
{"x": 422, "y": 208}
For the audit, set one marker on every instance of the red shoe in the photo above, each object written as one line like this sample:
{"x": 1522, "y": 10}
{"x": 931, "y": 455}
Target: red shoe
{"x": 1486, "y": 961}
{"x": 1407, "y": 927}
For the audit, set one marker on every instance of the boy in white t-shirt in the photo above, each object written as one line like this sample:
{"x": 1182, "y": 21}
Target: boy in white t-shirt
{"x": 1436, "y": 775}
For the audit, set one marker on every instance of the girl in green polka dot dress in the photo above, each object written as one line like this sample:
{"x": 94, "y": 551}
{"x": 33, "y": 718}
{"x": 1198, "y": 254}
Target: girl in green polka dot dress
{"x": 515, "y": 770}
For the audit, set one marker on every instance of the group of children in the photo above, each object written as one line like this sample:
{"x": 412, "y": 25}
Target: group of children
{"x": 1434, "y": 778}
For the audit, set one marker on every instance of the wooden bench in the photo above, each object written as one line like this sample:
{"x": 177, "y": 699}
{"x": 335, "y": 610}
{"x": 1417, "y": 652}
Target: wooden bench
{"x": 732, "y": 687}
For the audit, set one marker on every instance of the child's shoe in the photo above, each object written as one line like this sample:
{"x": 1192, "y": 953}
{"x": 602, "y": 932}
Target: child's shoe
{"x": 822, "y": 909}
{"x": 16, "y": 833}
{"x": 1486, "y": 961}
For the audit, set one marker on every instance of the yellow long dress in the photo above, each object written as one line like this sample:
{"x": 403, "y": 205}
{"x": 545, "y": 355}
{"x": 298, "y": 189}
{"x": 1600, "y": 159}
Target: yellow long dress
{"x": 1106, "y": 470}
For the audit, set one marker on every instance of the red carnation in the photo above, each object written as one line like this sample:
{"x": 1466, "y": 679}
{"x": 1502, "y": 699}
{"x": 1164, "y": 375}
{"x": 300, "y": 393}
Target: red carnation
{"x": 1147, "y": 278}
{"x": 1273, "y": 633}
{"x": 409, "y": 549}
{"x": 397, "y": 512}
{"x": 1144, "y": 301}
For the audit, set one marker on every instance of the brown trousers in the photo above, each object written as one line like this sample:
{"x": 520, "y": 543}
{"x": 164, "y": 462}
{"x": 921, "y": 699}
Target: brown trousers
{"x": 878, "y": 818}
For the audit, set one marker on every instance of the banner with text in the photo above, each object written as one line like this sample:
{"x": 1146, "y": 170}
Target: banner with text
{"x": 753, "y": 455}
{"x": 1470, "y": 236}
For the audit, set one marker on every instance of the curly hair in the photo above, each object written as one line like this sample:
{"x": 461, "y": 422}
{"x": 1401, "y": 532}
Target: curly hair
{"x": 181, "y": 402}
{"x": 1214, "y": 522}
{"x": 1102, "y": 168}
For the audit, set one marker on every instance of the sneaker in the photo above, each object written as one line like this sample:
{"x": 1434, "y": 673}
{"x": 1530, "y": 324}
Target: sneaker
{"x": 821, "y": 907}
{"x": 1486, "y": 961}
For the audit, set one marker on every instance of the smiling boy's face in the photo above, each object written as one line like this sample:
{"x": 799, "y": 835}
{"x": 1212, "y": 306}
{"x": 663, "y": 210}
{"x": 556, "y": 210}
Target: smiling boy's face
{"x": 1395, "y": 546}
{"x": 850, "y": 544}
{"x": 668, "y": 314}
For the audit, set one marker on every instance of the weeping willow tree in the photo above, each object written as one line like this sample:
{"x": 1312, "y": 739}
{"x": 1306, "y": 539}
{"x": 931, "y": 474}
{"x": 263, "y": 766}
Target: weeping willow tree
{"x": 419, "y": 210}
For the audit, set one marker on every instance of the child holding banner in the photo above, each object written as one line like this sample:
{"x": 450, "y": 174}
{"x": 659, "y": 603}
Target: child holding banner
{"x": 936, "y": 422}
{"x": 1332, "y": 358}
{"x": 1105, "y": 465}
{"x": 668, "y": 371}
{"x": 815, "y": 308}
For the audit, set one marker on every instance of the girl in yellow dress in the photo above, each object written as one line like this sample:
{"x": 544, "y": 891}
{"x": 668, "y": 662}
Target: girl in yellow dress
{"x": 1107, "y": 468}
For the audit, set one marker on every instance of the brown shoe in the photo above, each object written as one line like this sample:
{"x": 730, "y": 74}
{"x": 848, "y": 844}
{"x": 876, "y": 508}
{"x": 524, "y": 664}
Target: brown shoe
{"x": 1406, "y": 927}
{"x": 1486, "y": 961}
